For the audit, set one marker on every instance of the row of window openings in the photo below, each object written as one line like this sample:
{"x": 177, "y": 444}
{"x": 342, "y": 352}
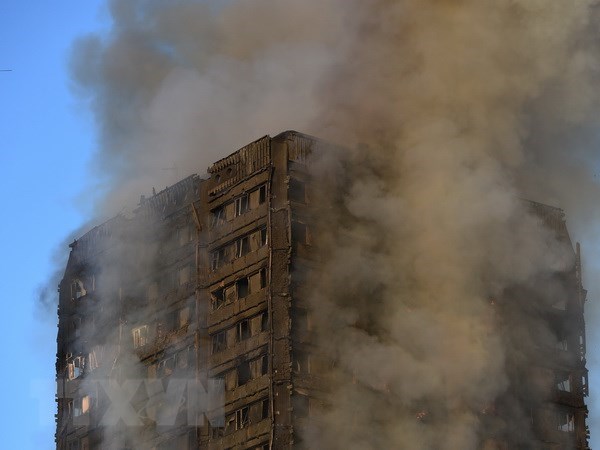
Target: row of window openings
{"x": 245, "y": 372}
{"x": 243, "y": 246}
{"x": 241, "y": 288}
{"x": 81, "y": 405}
{"x": 174, "y": 321}
{"x": 239, "y": 206}
{"x": 249, "y": 370}
{"x": 251, "y": 200}
{"x": 253, "y": 369}
{"x": 241, "y": 331}
{"x": 242, "y": 418}
{"x": 184, "y": 235}
{"x": 76, "y": 366}
{"x": 238, "y": 248}
{"x": 179, "y": 278}
{"x": 301, "y": 363}
{"x": 180, "y": 361}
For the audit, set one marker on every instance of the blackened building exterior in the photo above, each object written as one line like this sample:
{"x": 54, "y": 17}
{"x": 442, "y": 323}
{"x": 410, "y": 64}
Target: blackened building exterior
{"x": 201, "y": 282}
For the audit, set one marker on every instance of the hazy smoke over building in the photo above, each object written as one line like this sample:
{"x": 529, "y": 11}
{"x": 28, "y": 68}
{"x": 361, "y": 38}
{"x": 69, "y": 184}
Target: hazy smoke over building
{"x": 465, "y": 106}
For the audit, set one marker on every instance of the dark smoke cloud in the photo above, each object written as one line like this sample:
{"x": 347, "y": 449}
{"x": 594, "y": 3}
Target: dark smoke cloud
{"x": 464, "y": 106}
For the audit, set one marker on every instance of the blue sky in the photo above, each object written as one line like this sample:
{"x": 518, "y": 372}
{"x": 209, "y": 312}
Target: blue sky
{"x": 47, "y": 139}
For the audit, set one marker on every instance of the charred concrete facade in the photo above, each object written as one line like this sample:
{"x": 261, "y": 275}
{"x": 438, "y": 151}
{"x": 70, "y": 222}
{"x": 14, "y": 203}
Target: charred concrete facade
{"x": 547, "y": 373}
{"x": 204, "y": 281}
{"x": 127, "y": 311}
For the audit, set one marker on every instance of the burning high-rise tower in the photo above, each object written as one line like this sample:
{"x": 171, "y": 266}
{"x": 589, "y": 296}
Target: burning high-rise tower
{"x": 216, "y": 281}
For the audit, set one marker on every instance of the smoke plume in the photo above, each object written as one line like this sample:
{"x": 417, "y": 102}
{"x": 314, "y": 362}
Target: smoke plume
{"x": 451, "y": 110}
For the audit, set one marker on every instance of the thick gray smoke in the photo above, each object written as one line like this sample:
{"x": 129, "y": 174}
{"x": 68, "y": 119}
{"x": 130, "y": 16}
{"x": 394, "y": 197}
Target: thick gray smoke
{"x": 176, "y": 86}
{"x": 454, "y": 109}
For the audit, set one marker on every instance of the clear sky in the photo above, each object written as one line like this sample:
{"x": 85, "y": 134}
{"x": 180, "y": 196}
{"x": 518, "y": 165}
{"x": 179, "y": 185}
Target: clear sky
{"x": 46, "y": 141}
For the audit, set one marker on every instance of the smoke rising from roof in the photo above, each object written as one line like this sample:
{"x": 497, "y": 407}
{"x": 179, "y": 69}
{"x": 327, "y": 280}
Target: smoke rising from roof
{"x": 464, "y": 106}
{"x": 176, "y": 86}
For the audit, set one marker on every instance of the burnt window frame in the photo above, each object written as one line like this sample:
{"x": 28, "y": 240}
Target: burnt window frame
{"x": 262, "y": 194}
{"x": 264, "y": 321}
{"x": 218, "y": 342}
{"x": 217, "y": 217}
{"x": 242, "y": 417}
{"x": 241, "y": 205}
{"x": 263, "y": 278}
{"x": 141, "y": 341}
{"x": 218, "y": 258}
{"x": 242, "y": 246}
{"x": 300, "y": 406}
{"x": 242, "y": 286}
{"x": 264, "y": 238}
{"x": 217, "y": 299}
{"x": 243, "y": 373}
{"x": 300, "y": 233}
{"x": 297, "y": 191}
{"x": 563, "y": 381}
{"x": 568, "y": 426}
{"x": 243, "y": 330}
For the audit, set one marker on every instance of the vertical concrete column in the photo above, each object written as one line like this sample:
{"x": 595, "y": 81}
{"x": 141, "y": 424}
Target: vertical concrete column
{"x": 280, "y": 251}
